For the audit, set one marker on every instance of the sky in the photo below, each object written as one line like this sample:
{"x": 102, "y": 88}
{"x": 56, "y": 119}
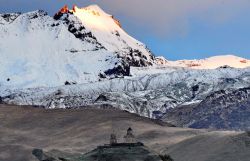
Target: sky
{"x": 175, "y": 29}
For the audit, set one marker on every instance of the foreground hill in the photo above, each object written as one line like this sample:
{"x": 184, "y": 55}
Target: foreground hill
{"x": 214, "y": 146}
{"x": 73, "y": 132}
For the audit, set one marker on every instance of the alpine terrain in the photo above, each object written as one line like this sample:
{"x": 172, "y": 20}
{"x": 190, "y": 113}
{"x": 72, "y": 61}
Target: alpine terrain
{"x": 81, "y": 57}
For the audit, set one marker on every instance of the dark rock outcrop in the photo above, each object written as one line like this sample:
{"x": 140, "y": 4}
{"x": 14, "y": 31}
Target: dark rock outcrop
{"x": 41, "y": 156}
{"x": 117, "y": 152}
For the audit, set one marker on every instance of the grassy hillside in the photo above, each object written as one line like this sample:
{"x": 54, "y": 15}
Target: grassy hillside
{"x": 78, "y": 131}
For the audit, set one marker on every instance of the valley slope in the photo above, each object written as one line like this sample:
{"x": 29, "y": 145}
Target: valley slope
{"x": 74, "y": 132}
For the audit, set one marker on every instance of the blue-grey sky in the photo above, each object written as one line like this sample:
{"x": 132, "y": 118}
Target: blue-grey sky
{"x": 176, "y": 29}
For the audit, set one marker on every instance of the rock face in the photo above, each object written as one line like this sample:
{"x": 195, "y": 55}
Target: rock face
{"x": 118, "y": 152}
{"x": 225, "y": 109}
{"x": 41, "y": 156}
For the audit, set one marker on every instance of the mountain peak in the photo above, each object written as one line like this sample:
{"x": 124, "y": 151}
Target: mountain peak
{"x": 92, "y": 13}
{"x": 87, "y": 45}
{"x": 105, "y": 27}
{"x": 95, "y": 7}
{"x": 91, "y": 9}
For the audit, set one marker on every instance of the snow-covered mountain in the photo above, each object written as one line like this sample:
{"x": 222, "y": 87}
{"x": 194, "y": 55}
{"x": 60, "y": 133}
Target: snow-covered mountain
{"x": 83, "y": 57}
{"x": 76, "y": 46}
{"x": 163, "y": 65}
{"x": 209, "y": 63}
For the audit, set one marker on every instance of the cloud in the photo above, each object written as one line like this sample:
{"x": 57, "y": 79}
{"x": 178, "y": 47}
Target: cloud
{"x": 173, "y": 16}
